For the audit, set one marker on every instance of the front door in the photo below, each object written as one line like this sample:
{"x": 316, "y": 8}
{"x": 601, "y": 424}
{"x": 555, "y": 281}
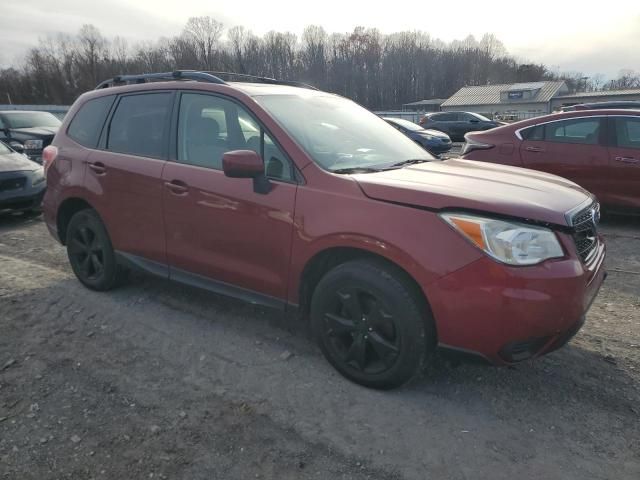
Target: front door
{"x": 217, "y": 227}
{"x": 624, "y": 158}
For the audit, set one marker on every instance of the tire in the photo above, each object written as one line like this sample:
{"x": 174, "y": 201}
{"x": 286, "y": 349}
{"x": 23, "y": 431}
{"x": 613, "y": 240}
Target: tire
{"x": 371, "y": 324}
{"x": 91, "y": 254}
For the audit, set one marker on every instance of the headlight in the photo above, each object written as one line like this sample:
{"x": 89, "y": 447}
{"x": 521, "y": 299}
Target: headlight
{"x": 33, "y": 144}
{"x": 509, "y": 242}
{"x": 38, "y": 177}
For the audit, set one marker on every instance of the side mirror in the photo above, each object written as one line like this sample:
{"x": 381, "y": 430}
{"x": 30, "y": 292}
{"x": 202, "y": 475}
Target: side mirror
{"x": 246, "y": 164}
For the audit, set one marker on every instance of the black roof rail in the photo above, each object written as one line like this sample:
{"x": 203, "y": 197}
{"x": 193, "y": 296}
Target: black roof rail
{"x": 210, "y": 77}
{"x": 175, "y": 75}
{"x": 261, "y": 79}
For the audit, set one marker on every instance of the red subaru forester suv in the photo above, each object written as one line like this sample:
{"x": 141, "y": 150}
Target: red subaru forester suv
{"x": 298, "y": 199}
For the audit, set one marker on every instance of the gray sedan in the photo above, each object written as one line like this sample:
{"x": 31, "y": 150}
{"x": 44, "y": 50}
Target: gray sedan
{"x": 22, "y": 182}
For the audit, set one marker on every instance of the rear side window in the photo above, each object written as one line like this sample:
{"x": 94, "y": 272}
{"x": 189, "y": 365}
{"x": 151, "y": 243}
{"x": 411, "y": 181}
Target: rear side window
{"x": 583, "y": 131}
{"x": 627, "y": 132}
{"x": 139, "y": 125}
{"x": 87, "y": 124}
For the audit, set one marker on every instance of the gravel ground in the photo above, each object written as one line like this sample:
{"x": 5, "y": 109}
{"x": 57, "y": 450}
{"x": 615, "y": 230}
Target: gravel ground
{"x": 157, "y": 380}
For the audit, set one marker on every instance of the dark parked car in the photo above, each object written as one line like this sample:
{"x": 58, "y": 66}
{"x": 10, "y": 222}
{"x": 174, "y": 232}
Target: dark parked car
{"x": 457, "y": 124}
{"x": 597, "y": 149}
{"x": 603, "y": 105}
{"x": 22, "y": 182}
{"x": 28, "y": 132}
{"x": 304, "y": 201}
{"x": 432, "y": 140}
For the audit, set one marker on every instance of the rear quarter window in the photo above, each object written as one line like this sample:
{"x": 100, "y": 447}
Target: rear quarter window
{"x": 86, "y": 126}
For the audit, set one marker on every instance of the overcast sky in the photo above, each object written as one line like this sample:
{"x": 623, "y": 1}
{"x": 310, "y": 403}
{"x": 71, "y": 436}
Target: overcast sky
{"x": 566, "y": 35}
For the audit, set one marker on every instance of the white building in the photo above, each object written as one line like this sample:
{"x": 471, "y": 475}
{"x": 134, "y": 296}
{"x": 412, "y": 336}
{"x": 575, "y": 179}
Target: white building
{"x": 508, "y": 101}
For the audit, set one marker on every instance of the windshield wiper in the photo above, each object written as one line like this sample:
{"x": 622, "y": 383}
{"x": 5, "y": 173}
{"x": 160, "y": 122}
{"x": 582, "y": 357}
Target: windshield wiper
{"x": 356, "y": 170}
{"x": 407, "y": 162}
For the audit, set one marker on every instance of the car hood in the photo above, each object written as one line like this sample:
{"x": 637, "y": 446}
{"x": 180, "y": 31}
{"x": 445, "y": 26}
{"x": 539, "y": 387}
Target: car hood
{"x": 13, "y": 162}
{"x": 434, "y": 133}
{"x": 486, "y": 187}
{"x": 36, "y": 131}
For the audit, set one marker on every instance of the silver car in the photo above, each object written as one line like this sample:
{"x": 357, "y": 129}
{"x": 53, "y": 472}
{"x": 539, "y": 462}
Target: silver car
{"x": 22, "y": 182}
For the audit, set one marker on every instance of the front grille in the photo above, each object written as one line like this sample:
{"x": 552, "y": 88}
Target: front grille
{"x": 585, "y": 234}
{"x": 11, "y": 184}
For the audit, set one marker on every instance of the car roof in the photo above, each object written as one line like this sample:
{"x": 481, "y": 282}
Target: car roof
{"x": 248, "y": 88}
{"x": 574, "y": 114}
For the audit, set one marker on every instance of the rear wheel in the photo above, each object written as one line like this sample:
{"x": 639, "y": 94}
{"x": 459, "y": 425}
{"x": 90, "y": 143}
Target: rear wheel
{"x": 370, "y": 324}
{"x": 90, "y": 252}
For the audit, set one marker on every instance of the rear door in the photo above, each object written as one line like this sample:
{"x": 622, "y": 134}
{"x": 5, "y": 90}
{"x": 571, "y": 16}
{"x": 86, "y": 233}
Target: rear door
{"x": 624, "y": 158}
{"x": 573, "y": 148}
{"x": 124, "y": 175}
{"x": 445, "y": 122}
{"x": 219, "y": 227}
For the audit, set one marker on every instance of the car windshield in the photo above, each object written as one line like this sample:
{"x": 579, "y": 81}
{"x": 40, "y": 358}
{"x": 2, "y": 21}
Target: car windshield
{"x": 405, "y": 124}
{"x": 30, "y": 119}
{"x": 480, "y": 117}
{"x": 338, "y": 134}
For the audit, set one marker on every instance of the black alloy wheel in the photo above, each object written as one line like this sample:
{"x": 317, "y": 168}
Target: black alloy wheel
{"x": 371, "y": 323}
{"x": 87, "y": 251}
{"x": 361, "y": 332}
{"x": 90, "y": 252}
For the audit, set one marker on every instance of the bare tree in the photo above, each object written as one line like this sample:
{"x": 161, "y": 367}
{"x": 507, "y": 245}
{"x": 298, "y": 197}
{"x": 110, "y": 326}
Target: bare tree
{"x": 379, "y": 71}
{"x": 202, "y": 34}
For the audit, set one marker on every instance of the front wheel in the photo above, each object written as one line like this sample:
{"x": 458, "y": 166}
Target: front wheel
{"x": 90, "y": 252}
{"x": 370, "y": 324}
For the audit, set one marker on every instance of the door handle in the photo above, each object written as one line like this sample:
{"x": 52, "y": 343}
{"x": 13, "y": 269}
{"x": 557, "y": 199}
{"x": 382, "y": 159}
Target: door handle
{"x": 627, "y": 160}
{"x": 98, "y": 167}
{"x": 177, "y": 187}
{"x": 534, "y": 149}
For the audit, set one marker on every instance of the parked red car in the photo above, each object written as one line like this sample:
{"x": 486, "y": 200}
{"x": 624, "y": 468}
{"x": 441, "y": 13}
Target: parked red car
{"x": 302, "y": 200}
{"x": 597, "y": 149}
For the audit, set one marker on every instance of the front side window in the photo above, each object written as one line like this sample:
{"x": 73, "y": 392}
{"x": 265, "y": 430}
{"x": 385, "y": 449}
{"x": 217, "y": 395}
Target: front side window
{"x": 583, "y": 131}
{"x": 4, "y": 149}
{"x": 86, "y": 126}
{"x": 338, "y": 134}
{"x": 627, "y": 132}
{"x": 209, "y": 126}
{"x": 477, "y": 116}
{"x": 139, "y": 125}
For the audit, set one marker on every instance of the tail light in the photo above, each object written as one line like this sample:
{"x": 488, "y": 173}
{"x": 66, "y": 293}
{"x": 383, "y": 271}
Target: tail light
{"x": 471, "y": 145}
{"x": 49, "y": 154}
{"x": 422, "y": 121}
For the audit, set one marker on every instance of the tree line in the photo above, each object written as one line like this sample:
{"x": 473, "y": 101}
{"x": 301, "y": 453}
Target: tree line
{"x": 379, "y": 71}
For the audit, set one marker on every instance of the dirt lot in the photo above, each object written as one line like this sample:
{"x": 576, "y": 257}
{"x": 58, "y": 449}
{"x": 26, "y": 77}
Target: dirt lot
{"x": 157, "y": 380}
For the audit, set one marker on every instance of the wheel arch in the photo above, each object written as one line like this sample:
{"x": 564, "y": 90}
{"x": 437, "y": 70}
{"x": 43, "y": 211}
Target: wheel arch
{"x": 327, "y": 259}
{"x": 67, "y": 209}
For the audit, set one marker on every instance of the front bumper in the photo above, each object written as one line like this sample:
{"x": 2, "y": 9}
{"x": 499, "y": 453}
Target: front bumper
{"x": 25, "y": 195}
{"x": 509, "y": 314}
{"x": 437, "y": 147}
